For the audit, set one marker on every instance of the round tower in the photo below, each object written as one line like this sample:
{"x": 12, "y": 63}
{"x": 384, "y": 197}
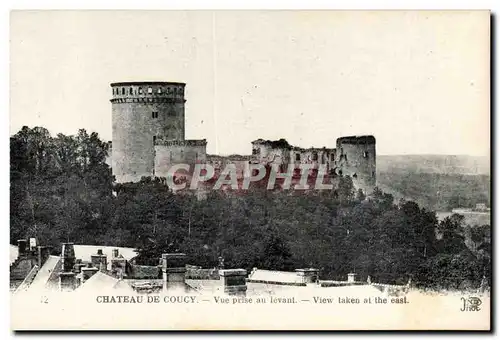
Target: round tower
{"x": 141, "y": 113}
{"x": 356, "y": 157}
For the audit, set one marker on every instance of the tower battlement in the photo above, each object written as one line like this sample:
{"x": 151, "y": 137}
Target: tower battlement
{"x": 147, "y": 92}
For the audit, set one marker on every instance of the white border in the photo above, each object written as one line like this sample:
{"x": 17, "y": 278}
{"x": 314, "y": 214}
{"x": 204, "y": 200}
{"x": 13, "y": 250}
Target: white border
{"x": 192, "y": 4}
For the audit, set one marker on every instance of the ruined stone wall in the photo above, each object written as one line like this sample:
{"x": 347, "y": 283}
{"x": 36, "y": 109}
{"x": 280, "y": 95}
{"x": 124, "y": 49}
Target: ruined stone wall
{"x": 142, "y": 112}
{"x": 266, "y": 152}
{"x": 168, "y": 153}
{"x": 356, "y": 157}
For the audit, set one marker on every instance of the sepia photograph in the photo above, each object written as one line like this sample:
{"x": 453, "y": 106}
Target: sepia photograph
{"x": 250, "y": 170}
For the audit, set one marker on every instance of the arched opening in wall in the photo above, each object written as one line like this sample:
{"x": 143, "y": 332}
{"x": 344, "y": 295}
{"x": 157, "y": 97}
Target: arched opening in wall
{"x": 373, "y": 174}
{"x": 131, "y": 91}
{"x": 154, "y": 114}
{"x": 365, "y": 154}
{"x": 297, "y": 157}
{"x": 168, "y": 90}
{"x": 354, "y": 175}
{"x": 159, "y": 90}
{"x": 140, "y": 90}
{"x": 340, "y": 172}
{"x": 154, "y": 140}
{"x": 123, "y": 91}
{"x": 150, "y": 90}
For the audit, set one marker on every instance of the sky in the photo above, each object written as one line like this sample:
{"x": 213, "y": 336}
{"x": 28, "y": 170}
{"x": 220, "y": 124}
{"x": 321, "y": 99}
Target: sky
{"x": 418, "y": 81}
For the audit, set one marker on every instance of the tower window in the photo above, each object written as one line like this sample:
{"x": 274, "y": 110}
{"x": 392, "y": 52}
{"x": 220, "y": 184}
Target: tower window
{"x": 154, "y": 114}
{"x": 123, "y": 91}
{"x": 150, "y": 90}
{"x": 297, "y": 156}
{"x": 159, "y": 90}
{"x": 131, "y": 91}
{"x": 140, "y": 90}
{"x": 365, "y": 154}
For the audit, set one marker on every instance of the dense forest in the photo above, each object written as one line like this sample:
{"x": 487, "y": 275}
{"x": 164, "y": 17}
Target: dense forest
{"x": 61, "y": 190}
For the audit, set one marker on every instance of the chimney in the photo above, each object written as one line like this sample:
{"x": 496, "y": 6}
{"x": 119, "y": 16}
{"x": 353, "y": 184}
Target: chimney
{"x": 78, "y": 267}
{"x": 234, "y": 281}
{"x": 99, "y": 258}
{"x": 88, "y": 272}
{"x": 43, "y": 255}
{"x": 174, "y": 270}
{"x": 67, "y": 281}
{"x": 221, "y": 262}
{"x": 32, "y": 244}
{"x": 351, "y": 277}
{"x": 68, "y": 257}
{"x": 308, "y": 275}
{"x": 21, "y": 245}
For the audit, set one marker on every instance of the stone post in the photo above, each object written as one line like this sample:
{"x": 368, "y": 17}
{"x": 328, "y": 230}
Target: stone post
{"x": 234, "y": 281}
{"x": 351, "y": 277}
{"x": 174, "y": 271}
{"x": 308, "y": 275}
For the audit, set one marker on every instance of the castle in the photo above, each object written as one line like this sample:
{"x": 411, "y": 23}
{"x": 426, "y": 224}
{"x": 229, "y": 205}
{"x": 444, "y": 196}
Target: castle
{"x": 148, "y": 120}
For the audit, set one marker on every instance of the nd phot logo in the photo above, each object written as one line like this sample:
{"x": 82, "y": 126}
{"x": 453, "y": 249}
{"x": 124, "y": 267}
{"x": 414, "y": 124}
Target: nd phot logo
{"x": 471, "y": 304}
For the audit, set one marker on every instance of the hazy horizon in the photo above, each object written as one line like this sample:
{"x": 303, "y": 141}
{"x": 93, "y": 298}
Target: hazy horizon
{"x": 306, "y": 76}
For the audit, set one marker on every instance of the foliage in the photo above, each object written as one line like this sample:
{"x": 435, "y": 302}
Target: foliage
{"x": 61, "y": 190}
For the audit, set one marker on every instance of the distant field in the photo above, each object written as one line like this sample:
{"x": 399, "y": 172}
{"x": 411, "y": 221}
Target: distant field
{"x": 434, "y": 164}
{"x": 471, "y": 218}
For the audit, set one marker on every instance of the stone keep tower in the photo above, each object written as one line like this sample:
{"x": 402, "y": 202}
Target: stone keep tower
{"x": 141, "y": 113}
{"x": 356, "y": 157}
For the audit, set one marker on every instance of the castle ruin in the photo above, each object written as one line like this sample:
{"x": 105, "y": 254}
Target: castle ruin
{"x": 149, "y": 137}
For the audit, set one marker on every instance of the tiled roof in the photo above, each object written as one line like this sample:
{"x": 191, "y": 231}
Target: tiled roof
{"x": 44, "y": 274}
{"x": 273, "y": 276}
{"x": 98, "y": 282}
